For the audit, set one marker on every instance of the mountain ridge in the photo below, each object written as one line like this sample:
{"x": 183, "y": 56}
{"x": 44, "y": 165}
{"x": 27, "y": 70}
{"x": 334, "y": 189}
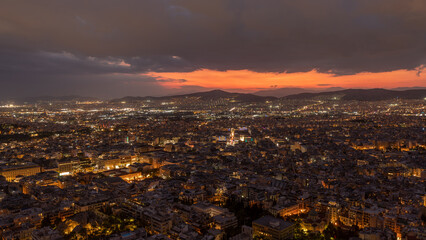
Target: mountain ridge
{"x": 345, "y": 94}
{"x": 208, "y": 95}
{"x": 375, "y": 94}
{"x": 282, "y": 92}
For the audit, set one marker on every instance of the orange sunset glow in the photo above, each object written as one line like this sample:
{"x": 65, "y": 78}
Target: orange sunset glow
{"x": 249, "y": 80}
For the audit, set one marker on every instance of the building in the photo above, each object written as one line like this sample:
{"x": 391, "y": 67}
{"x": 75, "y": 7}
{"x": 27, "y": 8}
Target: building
{"x": 68, "y": 166}
{"x": 46, "y": 233}
{"x": 226, "y": 221}
{"x": 10, "y": 172}
{"x": 271, "y": 228}
{"x": 210, "y": 209}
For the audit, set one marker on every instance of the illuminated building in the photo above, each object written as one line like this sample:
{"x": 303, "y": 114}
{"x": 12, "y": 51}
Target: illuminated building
{"x": 67, "y": 167}
{"x": 12, "y": 171}
{"x": 271, "y": 228}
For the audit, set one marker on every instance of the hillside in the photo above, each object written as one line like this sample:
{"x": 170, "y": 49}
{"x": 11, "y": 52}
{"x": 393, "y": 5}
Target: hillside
{"x": 203, "y": 96}
{"x": 364, "y": 94}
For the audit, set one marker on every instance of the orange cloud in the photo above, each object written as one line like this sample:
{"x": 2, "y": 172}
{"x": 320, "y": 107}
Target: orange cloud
{"x": 245, "y": 79}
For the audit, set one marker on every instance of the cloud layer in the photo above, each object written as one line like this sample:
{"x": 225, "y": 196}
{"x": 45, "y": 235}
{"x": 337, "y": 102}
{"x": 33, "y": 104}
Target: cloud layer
{"x": 68, "y": 41}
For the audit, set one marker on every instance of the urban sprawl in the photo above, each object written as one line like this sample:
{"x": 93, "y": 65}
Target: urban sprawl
{"x": 213, "y": 169}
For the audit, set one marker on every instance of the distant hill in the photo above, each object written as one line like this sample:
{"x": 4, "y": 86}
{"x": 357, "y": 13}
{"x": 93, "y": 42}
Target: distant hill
{"x": 260, "y": 96}
{"x": 203, "y": 96}
{"x": 282, "y": 92}
{"x": 363, "y": 94}
{"x": 407, "y": 88}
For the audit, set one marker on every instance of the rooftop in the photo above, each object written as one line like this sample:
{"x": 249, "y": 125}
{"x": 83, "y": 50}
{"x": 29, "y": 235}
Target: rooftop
{"x": 273, "y": 222}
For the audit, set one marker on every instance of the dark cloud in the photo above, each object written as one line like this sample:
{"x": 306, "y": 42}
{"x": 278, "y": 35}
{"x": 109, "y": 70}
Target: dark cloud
{"x": 47, "y": 39}
{"x": 420, "y": 70}
{"x": 170, "y": 80}
{"x": 97, "y": 85}
{"x": 40, "y": 62}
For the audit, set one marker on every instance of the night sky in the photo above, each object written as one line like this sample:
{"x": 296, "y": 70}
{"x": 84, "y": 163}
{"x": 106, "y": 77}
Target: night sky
{"x": 113, "y": 48}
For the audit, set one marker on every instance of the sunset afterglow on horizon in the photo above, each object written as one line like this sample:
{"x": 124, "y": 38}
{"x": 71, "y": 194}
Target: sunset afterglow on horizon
{"x": 249, "y": 80}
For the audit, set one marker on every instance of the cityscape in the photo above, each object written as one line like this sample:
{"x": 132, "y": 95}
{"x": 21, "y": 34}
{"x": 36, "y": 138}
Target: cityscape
{"x": 213, "y": 120}
{"x": 213, "y": 165}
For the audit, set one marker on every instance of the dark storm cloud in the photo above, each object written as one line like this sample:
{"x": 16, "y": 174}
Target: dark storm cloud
{"x": 172, "y": 80}
{"x": 64, "y": 37}
{"x": 43, "y": 62}
{"x": 96, "y": 85}
{"x": 39, "y": 62}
